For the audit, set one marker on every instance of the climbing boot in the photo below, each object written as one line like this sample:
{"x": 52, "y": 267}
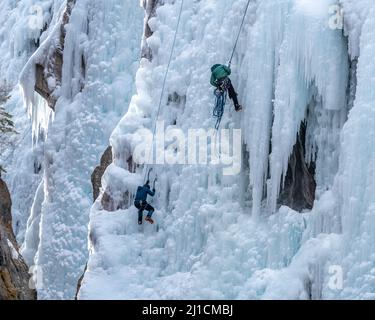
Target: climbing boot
{"x": 149, "y": 220}
{"x": 238, "y": 107}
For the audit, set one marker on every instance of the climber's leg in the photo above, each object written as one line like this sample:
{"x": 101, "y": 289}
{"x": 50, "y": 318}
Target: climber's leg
{"x": 140, "y": 206}
{"x": 150, "y": 210}
{"x": 233, "y": 95}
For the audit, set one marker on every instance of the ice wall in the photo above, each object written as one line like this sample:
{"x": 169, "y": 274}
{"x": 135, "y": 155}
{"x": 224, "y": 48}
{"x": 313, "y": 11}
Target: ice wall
{"x": 216, "y": 237}
{"x": 108, "y": 35}
{"x": 101, "y": 55}
{"x": 354, "y": 184}
{"x": 355, "y": 13}
{"x": 298, "y": 68}
{"x": 20, "y": 34}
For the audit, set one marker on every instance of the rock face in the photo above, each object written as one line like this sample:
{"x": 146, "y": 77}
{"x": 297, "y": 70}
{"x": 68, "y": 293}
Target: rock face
{"x": 299, "y": 189}
{"x": 96, "y": 177}
{"x": 80, "y": 283}
{"x": 150, "y": 10}
{"x": 51, "y": 67}
{"x": 14, "y": 276}
{"x": 113, "y": 200}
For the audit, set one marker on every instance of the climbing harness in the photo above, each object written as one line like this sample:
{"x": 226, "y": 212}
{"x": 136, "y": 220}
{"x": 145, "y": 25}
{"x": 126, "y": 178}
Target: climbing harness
{"x": 220, "y": 100}
{"x": 239, "y": 33}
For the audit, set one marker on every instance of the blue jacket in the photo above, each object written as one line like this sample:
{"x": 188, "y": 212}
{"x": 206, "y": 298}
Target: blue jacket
{"x": 142, "y": 193}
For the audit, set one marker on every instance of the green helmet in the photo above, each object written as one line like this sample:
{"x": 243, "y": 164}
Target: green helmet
{"x": 215, "y": 66}
{"x": 219, "y": 71}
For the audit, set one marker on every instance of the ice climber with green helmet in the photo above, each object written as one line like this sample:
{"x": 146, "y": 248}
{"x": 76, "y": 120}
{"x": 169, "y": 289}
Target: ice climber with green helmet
{"x": 220, "y": 80}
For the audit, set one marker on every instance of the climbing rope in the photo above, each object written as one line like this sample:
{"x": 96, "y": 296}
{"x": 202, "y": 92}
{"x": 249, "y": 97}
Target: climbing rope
{"x": 221, "y": 98}
{"x": 239, "y": 33}
{"x": 165, "y": 79}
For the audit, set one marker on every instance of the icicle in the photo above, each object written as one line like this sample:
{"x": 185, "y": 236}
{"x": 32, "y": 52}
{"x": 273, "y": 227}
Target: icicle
{"x": 305, "y": 70}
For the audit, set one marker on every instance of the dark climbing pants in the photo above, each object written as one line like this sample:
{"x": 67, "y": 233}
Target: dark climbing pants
{"x": 226, "y": 84}
{"x": 143, "y": 205}
{"x": 232, "y": 94}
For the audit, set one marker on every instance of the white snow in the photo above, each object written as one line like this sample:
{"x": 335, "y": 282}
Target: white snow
{"x": 355, "y": 13}
{"x": 15, "y": 254}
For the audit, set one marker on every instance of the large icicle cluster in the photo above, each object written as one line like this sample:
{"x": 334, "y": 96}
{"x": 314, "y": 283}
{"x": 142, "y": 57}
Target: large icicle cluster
{"x": 20, "y": 34}
{"x": 300, "y": 70}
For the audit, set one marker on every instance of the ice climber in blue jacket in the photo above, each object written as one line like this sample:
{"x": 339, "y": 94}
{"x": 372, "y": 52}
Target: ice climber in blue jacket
{"x": 141, "y": 204}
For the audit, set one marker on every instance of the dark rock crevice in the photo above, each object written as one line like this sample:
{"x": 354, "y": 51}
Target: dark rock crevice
{"x": 352, "y": 86}
{"x": 96, "y": 177}
{"x": 79, "y": 285}
{"x": 298, "y": 191}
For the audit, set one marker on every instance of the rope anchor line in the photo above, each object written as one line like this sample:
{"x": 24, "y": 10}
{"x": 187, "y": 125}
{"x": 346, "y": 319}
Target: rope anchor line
{"x": 165, "y": 79}
{"x": 239, "y": 33}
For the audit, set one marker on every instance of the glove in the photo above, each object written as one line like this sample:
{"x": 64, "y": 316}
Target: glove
{"x": 153, "y": 189}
